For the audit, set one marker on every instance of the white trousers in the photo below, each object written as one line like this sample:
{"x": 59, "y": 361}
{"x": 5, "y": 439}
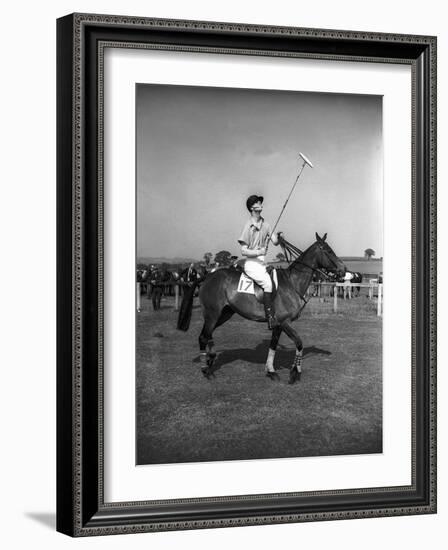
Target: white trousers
{"x": 256, "y": 269}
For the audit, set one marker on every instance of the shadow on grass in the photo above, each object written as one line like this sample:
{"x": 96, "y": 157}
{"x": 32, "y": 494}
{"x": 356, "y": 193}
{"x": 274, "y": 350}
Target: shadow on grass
{"x": 284, "y": 357}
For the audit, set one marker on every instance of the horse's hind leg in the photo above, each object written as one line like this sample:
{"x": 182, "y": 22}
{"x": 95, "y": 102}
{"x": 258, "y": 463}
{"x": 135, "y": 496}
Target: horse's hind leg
{"x": 296, "y": 367}
{"x": 206, "y": 343}
{"x": 204, "y": 338}
{"x": 226, "y": 314}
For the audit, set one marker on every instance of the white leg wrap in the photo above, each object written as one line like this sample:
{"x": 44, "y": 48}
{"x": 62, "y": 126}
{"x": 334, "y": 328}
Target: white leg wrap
{"x": 298, "y": 360}
{"x": 270, "y": 360}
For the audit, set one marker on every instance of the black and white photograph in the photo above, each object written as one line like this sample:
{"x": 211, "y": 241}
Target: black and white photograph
{"x": 259, "y": 274}
{"x": 223, "y": 281}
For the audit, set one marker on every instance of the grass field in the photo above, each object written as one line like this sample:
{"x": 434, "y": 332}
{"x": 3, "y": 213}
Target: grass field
{"x": 240, "y": 414}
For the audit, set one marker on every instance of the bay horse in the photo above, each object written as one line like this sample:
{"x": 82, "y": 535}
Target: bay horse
{"x": 220, "y": 299}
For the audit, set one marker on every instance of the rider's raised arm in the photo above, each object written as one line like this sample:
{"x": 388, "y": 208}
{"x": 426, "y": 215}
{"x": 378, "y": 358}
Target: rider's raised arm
{"x": 274, "y": 236}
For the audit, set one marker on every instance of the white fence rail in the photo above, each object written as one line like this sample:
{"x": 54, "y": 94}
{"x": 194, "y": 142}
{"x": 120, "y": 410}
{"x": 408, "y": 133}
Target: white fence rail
{"x": 344, "y": 291}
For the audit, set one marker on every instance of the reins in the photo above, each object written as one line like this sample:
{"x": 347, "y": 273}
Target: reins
{"x": 293, "y": 256}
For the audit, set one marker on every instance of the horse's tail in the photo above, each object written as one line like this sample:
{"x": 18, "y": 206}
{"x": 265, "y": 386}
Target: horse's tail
{"x": 186, "y": 307}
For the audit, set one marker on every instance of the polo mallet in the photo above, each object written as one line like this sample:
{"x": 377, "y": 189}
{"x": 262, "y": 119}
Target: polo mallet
{"x": 305, "y": 162}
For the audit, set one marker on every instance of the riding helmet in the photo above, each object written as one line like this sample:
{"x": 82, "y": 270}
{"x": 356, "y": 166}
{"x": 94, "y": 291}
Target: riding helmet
{"x": 252, "y": 200}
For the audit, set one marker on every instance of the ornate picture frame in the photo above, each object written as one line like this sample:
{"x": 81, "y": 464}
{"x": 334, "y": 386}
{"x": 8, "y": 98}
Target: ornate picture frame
{"x": 81, "y": 507}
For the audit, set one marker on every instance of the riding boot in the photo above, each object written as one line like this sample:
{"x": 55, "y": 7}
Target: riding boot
{"x": 269, "y": 310}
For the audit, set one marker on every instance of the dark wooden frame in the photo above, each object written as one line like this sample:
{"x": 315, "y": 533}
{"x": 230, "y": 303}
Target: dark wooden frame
{"x": 81, "y": 510}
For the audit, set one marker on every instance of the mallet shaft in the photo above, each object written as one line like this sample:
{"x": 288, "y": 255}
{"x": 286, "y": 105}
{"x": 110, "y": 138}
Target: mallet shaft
{"x": 305, "y": 162}
{"x": 286, "y": 202}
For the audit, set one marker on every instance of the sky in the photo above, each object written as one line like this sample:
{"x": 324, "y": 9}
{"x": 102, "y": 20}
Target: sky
{"x": 202, "y": 151}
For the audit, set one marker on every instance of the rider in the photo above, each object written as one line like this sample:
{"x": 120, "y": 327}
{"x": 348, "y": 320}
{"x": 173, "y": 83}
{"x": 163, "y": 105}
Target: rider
{"x": 254, "y": 241}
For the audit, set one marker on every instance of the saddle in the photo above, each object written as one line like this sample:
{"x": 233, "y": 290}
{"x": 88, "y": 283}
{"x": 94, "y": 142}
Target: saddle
{"x": 247, "y": 285}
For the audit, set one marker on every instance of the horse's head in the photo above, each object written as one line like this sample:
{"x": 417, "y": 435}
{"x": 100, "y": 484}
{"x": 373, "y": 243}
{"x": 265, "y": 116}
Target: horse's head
{"x": 326, "y": 258}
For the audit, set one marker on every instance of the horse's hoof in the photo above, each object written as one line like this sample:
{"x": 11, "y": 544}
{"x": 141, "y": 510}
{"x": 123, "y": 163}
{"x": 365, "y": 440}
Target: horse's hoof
{"x": 211, "y": 359}
{"x": 208, "y": 373}
{"x": 294, "y": 376}
{"x": 273, "y": 376}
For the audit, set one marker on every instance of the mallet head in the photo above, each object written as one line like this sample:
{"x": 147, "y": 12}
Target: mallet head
{"x": 305, "y": 160}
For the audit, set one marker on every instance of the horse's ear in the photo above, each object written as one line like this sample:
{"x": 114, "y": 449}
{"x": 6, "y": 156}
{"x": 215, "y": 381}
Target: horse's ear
{"x": 324, "y": 237}
{"x": 317, "y": 237}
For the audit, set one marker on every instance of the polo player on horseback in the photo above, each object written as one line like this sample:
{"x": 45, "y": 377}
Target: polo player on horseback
{"x": 254, "y": 242}
{"x": 221, "y": 298}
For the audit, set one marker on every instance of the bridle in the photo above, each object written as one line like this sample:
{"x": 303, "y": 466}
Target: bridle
{"x": 295, "y": 254}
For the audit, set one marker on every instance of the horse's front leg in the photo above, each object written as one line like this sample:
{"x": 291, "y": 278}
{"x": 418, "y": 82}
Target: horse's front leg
{"x": 269, "y": 368}
{"x": 296, "y": 368}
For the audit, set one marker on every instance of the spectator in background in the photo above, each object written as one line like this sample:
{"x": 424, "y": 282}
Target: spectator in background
{"x": 189, "y": 275}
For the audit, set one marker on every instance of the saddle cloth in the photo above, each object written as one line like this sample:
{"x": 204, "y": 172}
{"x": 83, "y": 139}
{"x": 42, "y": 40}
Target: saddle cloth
{"x": 248, "y": 285}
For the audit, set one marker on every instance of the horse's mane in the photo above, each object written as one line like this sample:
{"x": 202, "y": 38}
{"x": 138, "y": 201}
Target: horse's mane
{"x": 299, "y": 260}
